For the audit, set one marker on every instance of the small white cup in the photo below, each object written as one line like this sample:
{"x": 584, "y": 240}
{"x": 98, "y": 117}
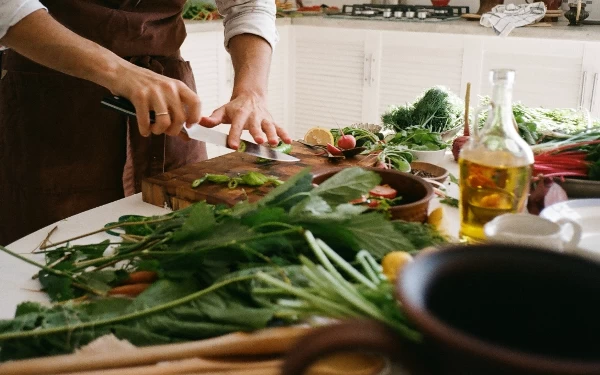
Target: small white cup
{"x": 530, "y": 230}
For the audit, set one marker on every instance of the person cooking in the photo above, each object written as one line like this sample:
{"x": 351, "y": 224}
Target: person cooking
{"x": 61, "y": 153}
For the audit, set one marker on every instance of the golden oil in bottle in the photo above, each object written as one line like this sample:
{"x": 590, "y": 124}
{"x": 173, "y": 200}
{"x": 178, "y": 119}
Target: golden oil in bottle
{"x": 495, "y": 164}
{"x": 487, "y": 192}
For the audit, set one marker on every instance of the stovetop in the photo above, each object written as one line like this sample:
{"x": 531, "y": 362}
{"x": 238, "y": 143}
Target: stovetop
{"x": 402, "y": 12}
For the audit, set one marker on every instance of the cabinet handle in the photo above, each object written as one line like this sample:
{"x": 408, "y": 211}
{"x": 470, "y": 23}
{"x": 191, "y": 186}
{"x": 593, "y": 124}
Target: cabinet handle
{"x": 368, "y": 69}
{"x": 372, "y": 67}
{"x": 582, "y": 95}
{"x": 593, "y": 99}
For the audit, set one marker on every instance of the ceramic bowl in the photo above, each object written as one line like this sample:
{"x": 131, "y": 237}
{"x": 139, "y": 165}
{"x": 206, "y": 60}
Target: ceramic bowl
{"x": 431, "y": 157}
{"x": 416, "y": 193}
{"x": 439, "y": 174}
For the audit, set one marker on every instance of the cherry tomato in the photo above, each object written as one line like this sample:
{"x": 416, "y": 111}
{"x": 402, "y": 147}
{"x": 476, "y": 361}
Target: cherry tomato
{"x": 384, "y": 191}
{"x": 373, "y": 203}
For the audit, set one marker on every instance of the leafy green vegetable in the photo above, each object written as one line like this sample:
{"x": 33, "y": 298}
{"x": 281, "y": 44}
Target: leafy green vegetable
{"x": 207, "y": 257}
{"x": 347, "y": 185}
{"x": 419, "y": 139}
{"x": 437, "y": 110}
{"x": 395, "y": 157}
{"x": 166, "y": 312}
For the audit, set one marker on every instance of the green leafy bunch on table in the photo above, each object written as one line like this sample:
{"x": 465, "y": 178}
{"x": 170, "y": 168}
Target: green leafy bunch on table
{"x": 204, "y": 271}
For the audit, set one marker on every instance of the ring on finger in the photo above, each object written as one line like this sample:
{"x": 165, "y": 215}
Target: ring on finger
{"x": 161, "y": 114}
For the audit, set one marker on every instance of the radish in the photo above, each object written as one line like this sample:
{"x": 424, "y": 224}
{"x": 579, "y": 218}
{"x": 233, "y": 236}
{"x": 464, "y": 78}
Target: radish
{"x": 334, "y": 150}
{"x": 346, "y": 142}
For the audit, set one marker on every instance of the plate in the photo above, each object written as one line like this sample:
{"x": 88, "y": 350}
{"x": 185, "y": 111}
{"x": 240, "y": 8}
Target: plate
{"x": 586, "y": 213}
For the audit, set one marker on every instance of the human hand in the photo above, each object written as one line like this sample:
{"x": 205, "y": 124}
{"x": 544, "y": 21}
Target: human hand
{"x": 171, "y": 100}
{"x": 247, "y": 111}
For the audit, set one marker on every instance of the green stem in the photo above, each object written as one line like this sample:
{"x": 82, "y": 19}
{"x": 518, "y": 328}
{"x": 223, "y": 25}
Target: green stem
{"x": 122, "y": 318}
{"x": 345, "y": 265}
{"x": 104, "y": 229}
{"x": 321, "y": 303}
{"x": 323, "y": 258}
{"x": 53, "y": 272}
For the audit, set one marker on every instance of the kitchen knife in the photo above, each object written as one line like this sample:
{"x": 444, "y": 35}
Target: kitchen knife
{"x": 201, "y": 133}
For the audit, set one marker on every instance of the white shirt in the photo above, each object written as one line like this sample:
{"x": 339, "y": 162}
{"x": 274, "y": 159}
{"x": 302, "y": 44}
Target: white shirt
{"x": 13, "y": 11}
{"x": 241, "y": 17}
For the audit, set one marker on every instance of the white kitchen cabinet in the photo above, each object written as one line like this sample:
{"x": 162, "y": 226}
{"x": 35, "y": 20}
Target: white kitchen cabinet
{"x": 410, "y": 63}
{"x": 202, "y": 50}
{"x": 548, "y": 72}
{"x": 590, "y": 78}
{"x": 330, "y": 75}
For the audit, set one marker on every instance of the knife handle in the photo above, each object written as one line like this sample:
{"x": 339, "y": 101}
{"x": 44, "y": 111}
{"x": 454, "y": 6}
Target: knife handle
{"x": 123, "y": 105}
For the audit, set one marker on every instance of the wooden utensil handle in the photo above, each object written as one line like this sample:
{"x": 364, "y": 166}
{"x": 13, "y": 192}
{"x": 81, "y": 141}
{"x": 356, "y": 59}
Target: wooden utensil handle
{"x": 265, "y": 342}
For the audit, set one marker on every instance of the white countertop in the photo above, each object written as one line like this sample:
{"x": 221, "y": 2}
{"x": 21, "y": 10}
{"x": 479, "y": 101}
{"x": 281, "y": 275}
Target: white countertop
{"x": 557, "y": 30}
{"x": 17, "y": 286}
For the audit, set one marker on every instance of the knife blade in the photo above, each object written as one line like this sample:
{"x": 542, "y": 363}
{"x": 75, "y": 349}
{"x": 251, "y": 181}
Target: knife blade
{"x": 200, "y": 133}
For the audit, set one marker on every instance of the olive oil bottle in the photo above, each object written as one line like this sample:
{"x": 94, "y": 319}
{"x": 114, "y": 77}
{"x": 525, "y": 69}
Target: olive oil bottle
{"x": 495, "y": 165}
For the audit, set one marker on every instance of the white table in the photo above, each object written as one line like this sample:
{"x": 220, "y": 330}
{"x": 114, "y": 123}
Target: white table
{"x": 17, "y": 286}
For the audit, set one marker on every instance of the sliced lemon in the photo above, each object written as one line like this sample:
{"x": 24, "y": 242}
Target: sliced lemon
{"x": 318, "y": 136}
{"x": 394, "y": 262}
{"x": 436, "y": 218}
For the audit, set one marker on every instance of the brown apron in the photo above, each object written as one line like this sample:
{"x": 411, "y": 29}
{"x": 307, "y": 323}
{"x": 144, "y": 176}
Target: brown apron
{"x": 61, "y": 152}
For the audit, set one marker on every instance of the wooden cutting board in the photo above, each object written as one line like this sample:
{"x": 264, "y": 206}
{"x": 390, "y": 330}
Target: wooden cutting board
{"x": 173, "y": 189}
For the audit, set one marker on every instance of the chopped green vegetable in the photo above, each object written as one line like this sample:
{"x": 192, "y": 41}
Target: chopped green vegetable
{"x": 251, "y": 178}
{"x": 452, "y": 202}
{"x": 281, "y": 147}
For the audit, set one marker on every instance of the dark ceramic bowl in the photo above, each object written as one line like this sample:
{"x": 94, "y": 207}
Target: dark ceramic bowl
{"x": 439, "y": 174}
{"x": 416, "y": 193}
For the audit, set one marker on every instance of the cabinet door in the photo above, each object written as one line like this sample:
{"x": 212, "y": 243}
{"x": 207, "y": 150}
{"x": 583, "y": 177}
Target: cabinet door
{"x": 413, "y": 62}
{"x": 329, "y": 75}
{"x": 279, "y": 79}
{"x": 591, "y": 79}
{"x": 548, "y": 73}
{"x": 201, "y": 49}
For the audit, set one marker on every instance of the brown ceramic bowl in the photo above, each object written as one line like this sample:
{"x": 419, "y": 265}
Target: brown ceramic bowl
{"x": 439, "y": 173}
{"x": 416, "y": 193}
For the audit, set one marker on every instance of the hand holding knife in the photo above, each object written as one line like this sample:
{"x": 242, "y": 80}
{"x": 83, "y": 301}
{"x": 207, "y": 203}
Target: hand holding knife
{"x": 201, "y": 133}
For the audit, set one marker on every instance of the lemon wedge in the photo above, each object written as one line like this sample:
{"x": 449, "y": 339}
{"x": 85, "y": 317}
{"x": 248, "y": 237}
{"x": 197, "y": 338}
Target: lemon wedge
{"x": 318, "y": 136}
{"x": 436, "y": 218}
{"x": 394, "y": 262}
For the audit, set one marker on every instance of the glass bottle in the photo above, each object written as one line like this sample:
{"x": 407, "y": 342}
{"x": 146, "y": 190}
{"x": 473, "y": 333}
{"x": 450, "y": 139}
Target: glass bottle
{"x": 495, "y": 164}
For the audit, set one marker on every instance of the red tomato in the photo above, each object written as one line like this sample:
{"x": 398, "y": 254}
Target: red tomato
{"x": 384, "y": 191}
{"x": 373, "y": 203}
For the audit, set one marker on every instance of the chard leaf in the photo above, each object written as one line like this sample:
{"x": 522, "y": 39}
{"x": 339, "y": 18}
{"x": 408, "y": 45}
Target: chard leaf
{"x": 313, "y": 205}
{"x": 346, "y": 185}
{"x": 265, "y": 215}
{"x": 377, "y": 235}
{"x": 58, "y": 288}
{"x": 318, "y": 207}
{"x": 62, "y": 328}
{"x": 98, "y": 280}
{"x": 201, "y": 220}
{"x": 290, "y": 192}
